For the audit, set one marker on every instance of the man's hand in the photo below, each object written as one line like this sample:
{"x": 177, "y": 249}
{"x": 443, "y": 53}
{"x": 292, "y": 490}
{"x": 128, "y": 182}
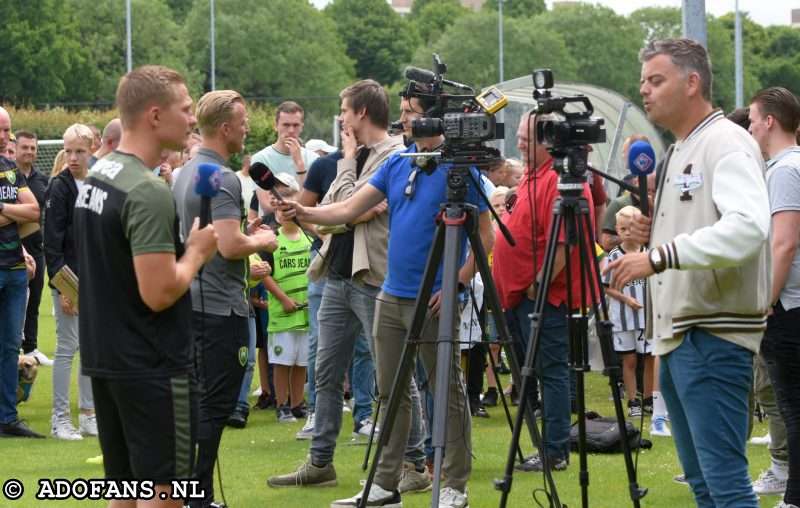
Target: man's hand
{"x": 260, "y": 270}
{"x": 531, "y": 292}
{"x": 293, "y": 144}
{"x": 203, "y": 240}
{"x": 253, "y": 226}
{"x": 435, "y": 303}
{"x": 66, "y": 306}
{"x": 631, "y": 266}
{"x": 30, "y": 265}
{"x": 165, "y": 172}
{"x": 349, "y": 143}
{"x": 268, "y": 237}
{"x": 291, "y": 209}
{"x": 640, "y": 227}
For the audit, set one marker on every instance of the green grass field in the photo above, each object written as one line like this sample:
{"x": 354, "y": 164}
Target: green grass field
{"x": 265, "y": 447}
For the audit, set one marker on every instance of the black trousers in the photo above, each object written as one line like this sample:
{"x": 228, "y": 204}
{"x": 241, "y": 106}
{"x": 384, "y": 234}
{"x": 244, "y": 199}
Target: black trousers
{"x": 30, "y": 339}
{"x": 221, "y": 349}
{"x": 781, "y": 350}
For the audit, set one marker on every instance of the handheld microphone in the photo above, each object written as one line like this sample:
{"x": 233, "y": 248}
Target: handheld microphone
{"x": 207, "y": 182}
{"x": 426, "y": 76}
{"x": 642, "y": 162}
{"x": 265, "y": 179}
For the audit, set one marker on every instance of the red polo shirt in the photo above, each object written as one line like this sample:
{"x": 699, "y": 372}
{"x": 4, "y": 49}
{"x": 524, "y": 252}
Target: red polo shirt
{"x": 514, "y": 268}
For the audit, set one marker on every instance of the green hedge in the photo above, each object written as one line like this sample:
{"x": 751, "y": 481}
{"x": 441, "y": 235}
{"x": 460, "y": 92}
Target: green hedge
{"x": 51, "y": 123}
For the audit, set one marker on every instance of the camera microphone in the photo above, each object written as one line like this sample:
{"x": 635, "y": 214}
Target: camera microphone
{"x": 265, "y": 179}
{"x": 426, "y": 76}
{"x": 642, "y": 162}
{"x": 207, "y": 182}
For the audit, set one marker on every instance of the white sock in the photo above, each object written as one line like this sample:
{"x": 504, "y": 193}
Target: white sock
{"x": 659, "y": 406}
{"x": 780, "y": 468}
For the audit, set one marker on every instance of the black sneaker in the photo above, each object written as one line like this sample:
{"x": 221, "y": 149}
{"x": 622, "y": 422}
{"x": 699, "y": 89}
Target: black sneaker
{"x": 534, "y": 463}
{"x": 477, "y": 409}
{"x": 18, "y": 428}
{"x": 238, "y": 419}
{"x": 514, "y": 396}
{"x": 284, "y": 414}
{"x": 300, "y": 410}
{"x": 490, "y": 397}
{"x": 634, "y": 408}
{"x": 264, "y": 402}
{"x": 647, "y": 406}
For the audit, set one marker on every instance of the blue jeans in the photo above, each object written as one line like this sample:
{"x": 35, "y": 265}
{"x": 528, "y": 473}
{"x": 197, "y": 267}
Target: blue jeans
{"x": 13, "y": 290}
{"x": 314, "y": 300}
{"x": 552, "y": 370}
{"x": 242, "y": 404}
{"x": 345, "y": 313}
{"x": 362, "y": 379}
{"x": 705, "y": 383}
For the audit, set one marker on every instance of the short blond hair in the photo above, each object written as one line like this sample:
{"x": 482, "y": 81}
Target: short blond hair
{"x": 216, "y": 108}
{"x": 79, "y": 132}
{"x": 144, "y": 87}
{"x": 627, "y": 212}
{"x": 500, "y": 190}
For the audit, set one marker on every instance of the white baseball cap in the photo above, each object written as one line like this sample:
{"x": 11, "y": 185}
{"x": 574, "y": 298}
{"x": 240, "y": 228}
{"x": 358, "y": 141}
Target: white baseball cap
{"x": 318, "y": 144}
{"x": 288, "y": 180}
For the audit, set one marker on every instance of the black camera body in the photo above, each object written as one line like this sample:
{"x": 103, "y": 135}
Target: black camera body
{"x": 567, "y": 139}
{"x": 466, "y": 127}
{"x": 458, "y": 127}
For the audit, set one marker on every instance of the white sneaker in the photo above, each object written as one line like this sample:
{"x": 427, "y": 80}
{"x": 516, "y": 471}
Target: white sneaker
{"x": 88, "y": 424}
{"x": 63, "y": 428}
{"x": 658, "y": 426}
{"x": 256, "y": 392}
{"x": 346, "y": 407}
{"x": 364, "y": 428}
{"x": 307, "y": 432}
{"x": 41, "y": 358}
{"x": 452, "y": 498}
{"x": 768, "y": 483}
{"x": 765, "y": 440}
{"x": 378, "y": 496}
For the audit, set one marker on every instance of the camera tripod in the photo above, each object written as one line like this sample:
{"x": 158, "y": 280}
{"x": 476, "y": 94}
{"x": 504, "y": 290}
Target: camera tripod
{"x": 571, "y": 210}
{"x": 455, "y": 216}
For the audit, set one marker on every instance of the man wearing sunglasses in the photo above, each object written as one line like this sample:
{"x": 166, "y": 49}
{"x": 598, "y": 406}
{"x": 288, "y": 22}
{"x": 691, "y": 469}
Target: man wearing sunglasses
{"x": 414, "y": 187}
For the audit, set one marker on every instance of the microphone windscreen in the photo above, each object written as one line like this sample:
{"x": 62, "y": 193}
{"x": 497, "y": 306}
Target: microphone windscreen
{"x": 641, "y": 158}
{"x": 417, "y": 74}
{"x": 208, "y": 179}
{"x": 262, "y": 175}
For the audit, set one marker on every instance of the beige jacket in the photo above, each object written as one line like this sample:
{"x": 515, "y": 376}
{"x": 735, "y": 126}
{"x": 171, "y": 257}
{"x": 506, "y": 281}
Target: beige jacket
{"x": 371, "y": 238}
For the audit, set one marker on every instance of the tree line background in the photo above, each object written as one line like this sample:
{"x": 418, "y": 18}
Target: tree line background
{"x": 59, "y": 55}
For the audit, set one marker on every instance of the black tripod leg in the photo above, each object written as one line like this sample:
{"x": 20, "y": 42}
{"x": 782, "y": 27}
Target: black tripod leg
{"x": 445, "y": 344}
{"x": 613, "y": 370}
{"x": 492, "y": 301}
{"x": 407, "y": 360}
{"x": 525, "y": 374}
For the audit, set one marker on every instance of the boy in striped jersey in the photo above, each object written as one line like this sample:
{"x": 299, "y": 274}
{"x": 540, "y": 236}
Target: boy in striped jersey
{"x": 627, "y": 313}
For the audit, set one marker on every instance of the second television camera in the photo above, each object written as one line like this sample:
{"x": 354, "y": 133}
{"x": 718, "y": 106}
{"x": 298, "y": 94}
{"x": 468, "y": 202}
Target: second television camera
{"x": 567, "y": 140}
{"x": 465, "y": 127}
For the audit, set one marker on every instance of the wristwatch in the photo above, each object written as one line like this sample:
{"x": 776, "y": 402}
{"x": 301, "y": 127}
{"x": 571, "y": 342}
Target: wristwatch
{"x": 658, "y": 263}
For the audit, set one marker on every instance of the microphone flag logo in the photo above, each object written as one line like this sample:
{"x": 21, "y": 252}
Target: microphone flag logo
{"x": 643, "y": 163}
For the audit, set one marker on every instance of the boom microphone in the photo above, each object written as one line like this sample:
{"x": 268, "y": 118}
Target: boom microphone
{"x": 642, "y": 162}
{"x": 207, "y": 182}
{"x": 426, "y": 76}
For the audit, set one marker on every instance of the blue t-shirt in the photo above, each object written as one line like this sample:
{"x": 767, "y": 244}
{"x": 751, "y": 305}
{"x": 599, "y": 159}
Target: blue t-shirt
{"x": 412, "y": 222}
